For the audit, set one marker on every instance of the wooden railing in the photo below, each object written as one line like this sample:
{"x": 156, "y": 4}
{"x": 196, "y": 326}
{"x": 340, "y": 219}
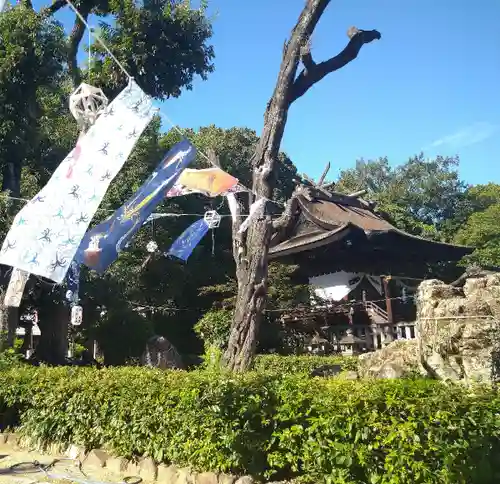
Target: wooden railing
{"x": 378, "y": 314}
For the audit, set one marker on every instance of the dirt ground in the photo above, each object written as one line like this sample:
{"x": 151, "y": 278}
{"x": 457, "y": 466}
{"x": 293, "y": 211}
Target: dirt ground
{"x": 27, "y": 473}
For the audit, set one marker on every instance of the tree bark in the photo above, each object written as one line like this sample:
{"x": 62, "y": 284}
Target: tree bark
{"x": 9, "y": 318}
{"x": 53, "y": 344}
{"x": 250, "y": 250}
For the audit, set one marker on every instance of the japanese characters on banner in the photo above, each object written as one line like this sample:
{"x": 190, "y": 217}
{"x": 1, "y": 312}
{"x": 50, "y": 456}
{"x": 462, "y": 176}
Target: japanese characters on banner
{"x": 47, "y": 232}
{"x": 101, "y": 245}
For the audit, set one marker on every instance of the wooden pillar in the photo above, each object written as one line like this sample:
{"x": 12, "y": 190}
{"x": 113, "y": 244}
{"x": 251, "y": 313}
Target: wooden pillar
{"x": 388, "y": 302}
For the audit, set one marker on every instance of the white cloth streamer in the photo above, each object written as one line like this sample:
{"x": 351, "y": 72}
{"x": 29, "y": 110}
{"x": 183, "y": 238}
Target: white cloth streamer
{"x": 232, "y": 204}
{"x": 48, "y": 230}
{"x": 15, "y": 289}
{"x": 256, "y": 208}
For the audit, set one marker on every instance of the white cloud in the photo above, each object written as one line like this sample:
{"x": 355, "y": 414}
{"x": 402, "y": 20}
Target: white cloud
{"x": 471, "y": 135}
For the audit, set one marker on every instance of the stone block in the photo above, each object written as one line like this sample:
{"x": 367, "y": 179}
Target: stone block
{"x": 147, "y": 469}
{"x": 96, "y": 459}
{"x": 245, "y": 480}
{"x": 117, "y": 465}
{"x": 166, "y": 474}
{"x": 132, "y": 469}
{"x": 75, "y": 452}
{"x": 206, "y": 478}
{"x": 184, "y": 476}
{"x": 13, "y": 440}
{"x": 226, "y": 479}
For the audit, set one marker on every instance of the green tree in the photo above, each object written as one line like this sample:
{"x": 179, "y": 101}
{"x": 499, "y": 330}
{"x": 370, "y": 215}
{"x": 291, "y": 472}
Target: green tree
{"x": 32, "y": 55}
{"x": 423, "y": 197}
{"x": 480, "y": 228}
{"x": 38, "y": 71}
{"x": 35, "y": 52}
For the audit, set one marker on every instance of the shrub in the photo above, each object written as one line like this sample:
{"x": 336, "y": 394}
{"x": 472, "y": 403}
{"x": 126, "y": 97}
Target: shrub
{"x": 213, "y": 328}
{"x": 271, "y": 425}
{"x": 301, "y": 364}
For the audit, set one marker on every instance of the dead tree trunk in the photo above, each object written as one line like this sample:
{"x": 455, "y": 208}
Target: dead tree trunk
{"x": 250, "y": 250}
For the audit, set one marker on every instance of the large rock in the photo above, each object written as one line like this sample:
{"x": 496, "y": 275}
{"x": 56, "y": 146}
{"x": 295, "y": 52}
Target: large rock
{"x": 397, "y": 359}
{"x": 458, "y": 330}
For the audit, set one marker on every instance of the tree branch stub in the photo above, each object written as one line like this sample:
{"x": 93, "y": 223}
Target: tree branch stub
{"x": 316, "y": 72}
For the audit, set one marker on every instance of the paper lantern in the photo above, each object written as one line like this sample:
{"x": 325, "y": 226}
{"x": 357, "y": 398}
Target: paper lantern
{"x": 76, "y": 315}
{"x": 86, "y": 103}
{"x": 212, "y": 218}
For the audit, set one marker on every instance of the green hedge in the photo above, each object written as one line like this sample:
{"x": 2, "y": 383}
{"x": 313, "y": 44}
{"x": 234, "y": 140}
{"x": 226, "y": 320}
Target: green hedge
{"x": 301, "y": 364}
{"x": 270, "y": 425}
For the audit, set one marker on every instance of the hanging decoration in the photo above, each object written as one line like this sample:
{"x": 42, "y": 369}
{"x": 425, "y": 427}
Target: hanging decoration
{"x": 101, "y": 245}
{"x": 48, "y": 230}
{"x": 210, "y": 182}
{"x": 73, "y": 282}
{"x": 212, "y": 218}
{"x": 76, "y": 315}
{"x": 15, "y": 289}
{"x": 152, "y": 246}
{"x": 184, "y": 245}
{"x": 255, "y": 209}
{"x": 336, "y": 286}
{"x": 86, "y": 104}
{"x": 233, "y": 205}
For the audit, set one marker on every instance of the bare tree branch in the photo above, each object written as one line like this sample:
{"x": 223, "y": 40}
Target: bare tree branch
{"x": 284, "y": 222}
{"x": 313, "y": 73}
{"x": 306, "y": 56}
{"x": 73, "y": 43}
{"x": 56, "y": 6}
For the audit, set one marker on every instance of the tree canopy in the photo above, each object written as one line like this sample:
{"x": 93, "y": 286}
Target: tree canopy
{"x": 142, "y": 294}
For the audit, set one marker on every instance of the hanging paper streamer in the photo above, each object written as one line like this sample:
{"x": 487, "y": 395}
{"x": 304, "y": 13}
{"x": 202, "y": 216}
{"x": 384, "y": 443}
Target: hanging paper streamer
{"x": 101, "y": 245}
{"x": 211, "y": 182}
{"x": 48, "y": 230}
{"x": 73, "y": 281}
{"x": 184, "y": 245}
{"x": 15, "y": 290}
{"x": 232, "y": 204}
{"x": 255, "y": 209}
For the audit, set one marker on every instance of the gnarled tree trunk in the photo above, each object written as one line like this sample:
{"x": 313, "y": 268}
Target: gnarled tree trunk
{"x": 250, "y": 250}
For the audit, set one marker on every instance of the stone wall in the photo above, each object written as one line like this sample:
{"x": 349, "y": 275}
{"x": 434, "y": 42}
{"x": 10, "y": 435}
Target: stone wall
{"x": 98, "y": 462}
{"x": 459, "y": 329}
{"x": 457, "y": 335}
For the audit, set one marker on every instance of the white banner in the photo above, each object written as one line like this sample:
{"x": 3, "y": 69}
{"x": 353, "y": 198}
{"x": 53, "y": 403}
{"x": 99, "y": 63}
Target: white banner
{"x": 15, "y": 290}
{"x": 336, "y": 286}
{"x": 48, "y": 230}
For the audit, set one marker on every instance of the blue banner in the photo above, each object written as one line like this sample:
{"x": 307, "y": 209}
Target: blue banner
{"x": 101, "y": 245}
{"x": 73, "y": 282}
{"x": 184, "y": 245}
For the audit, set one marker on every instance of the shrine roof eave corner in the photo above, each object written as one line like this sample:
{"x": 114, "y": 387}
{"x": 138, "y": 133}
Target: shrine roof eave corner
{"x": 311, "y": 241}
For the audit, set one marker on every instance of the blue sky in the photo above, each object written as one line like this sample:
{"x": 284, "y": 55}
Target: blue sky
{"x": 431, "y": 82}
